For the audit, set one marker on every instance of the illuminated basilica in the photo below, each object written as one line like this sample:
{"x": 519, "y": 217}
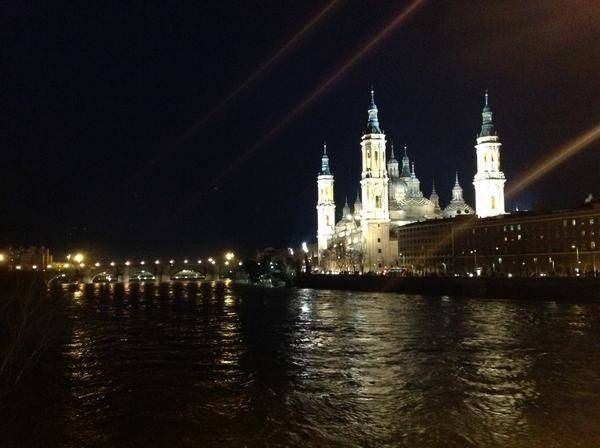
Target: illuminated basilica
{"x": 390, "y": 195}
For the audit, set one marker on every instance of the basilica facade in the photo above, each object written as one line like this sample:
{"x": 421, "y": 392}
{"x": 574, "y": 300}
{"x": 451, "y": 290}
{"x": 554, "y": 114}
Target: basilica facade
{"x": 389, "y": 195}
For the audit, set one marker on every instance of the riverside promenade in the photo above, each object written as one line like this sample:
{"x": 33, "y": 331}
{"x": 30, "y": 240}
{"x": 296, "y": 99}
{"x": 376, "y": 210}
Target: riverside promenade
{"x": 552, "y": 288}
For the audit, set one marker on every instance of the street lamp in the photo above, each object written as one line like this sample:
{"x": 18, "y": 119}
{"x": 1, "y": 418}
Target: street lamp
{"x": 229, "y": 256}
{"x": 577, "y": 255}
{"x": 78, "y": 258}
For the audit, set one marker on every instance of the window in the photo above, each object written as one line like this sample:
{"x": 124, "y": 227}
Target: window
{"x": 377, "y": 201}
{"x": 573, "y": 222}
{"x": 379, "y": 240}
{"x": 591, "y": 220}
{"x": 378, "y": 251}
{"x": 592, "y": 245}
{"x": 493, "y": 202}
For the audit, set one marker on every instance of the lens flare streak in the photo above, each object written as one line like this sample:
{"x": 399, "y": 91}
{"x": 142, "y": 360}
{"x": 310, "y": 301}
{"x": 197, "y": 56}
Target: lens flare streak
{"x": 398, "y": 19}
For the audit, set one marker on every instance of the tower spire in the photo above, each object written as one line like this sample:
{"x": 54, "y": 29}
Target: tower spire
{"x": 392, "y": 157}
{"x": 325, "y": 161}
{"x": 373, "y": 121}
{"x": 456, "y": 178}
{"x": 487, "y": 125}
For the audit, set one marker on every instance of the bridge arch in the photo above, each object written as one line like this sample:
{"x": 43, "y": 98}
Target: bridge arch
{"x": 188, "y": 274}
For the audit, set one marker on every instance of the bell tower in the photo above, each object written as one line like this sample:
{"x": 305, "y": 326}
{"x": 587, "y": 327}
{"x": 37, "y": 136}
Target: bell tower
{"x": 325, "y": 204}
{"x": 378, "y": 253}
{"x": 489, "y": 180}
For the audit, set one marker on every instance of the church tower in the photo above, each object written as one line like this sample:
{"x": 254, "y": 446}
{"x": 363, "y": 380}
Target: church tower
{"x": 489, "y": 180}
{"x": 325, "y": 204}
{"x": 375, "y": 218}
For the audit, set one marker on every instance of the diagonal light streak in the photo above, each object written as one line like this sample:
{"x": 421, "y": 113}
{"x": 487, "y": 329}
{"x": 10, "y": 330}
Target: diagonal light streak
{"x": 349, "y": 63}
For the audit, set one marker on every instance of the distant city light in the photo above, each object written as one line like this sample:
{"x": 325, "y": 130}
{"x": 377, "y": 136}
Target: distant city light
{"x": 48, "y": 266}
{"x": 156, "y": 261}
{"x": 229, "y": 256}
{"x": 18, "y": 267}
{"x": 112, "y": 263}
{"x": 304, "y": 247}
{"x": 199, "y": 261}
{"x": 185, "y": 262}
{"x": 171, "y": 261}
{"x": 127, "y": 263}
{"x": 142, "y": 262}
{"x": 34, "y": 267}
{"x": 82, "y": 265}
{"x": 97, "y": 264}
{"x": 78, "y": 258}
{"x": 2, "y": 257}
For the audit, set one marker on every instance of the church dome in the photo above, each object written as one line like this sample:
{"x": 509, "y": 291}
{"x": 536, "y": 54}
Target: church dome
{"x": 398, "y": 189}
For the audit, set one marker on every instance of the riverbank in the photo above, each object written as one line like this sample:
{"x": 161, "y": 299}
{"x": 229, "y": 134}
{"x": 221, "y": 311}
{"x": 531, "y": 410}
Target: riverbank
{"x": 33, "y": 325}
{"x": 556, "y": 288}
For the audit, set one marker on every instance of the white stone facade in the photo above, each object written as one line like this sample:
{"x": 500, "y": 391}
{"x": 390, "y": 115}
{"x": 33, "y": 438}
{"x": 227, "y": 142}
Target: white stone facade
{"x": 390, "y": 195}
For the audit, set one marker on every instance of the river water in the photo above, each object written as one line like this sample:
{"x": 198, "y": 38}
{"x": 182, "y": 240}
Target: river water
{"x": 225, "y": 365}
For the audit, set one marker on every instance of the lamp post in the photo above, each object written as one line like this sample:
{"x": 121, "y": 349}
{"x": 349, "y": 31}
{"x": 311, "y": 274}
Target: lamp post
{"x": 577, "y": 257}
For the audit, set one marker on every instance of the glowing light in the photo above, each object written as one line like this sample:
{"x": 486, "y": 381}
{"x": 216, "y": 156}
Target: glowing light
{"x": 226, "y": 263}
{"x": 78, "y": 258}
{"x": 185, "y": 262}
{"x": 112, "y": 263}
{"x": 304, "y": 247}
{"x": 2, "y": 258}
{"x": 554, "y": 159}
{"x": 97, "y": 264}
{"x": 199, "y": 261}
{"x": 229, "y": 256}
{"x": 156, "y": 261}
{"x": 142, "y": 262}
{"x": 240, "y": 264}
{"x": 18, "y": 267}
{"x": 66, "y": 265}
{"x": 128, "y": 263}
{"x": 82, "y": 265}
{"x": 34, "y": 267}
{"x": 48, "y": 266}
{"x": 171, "y": 261}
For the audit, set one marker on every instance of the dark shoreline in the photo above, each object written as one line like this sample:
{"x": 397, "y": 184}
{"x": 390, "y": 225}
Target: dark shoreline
{"x": 548, "y": 288}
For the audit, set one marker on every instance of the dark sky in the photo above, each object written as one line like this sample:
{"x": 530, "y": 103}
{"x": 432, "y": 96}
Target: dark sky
{"x": 97, "y": 96}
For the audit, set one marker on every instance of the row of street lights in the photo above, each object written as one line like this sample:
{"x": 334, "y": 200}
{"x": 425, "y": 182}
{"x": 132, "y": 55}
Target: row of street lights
{"x": 78, "y": 261}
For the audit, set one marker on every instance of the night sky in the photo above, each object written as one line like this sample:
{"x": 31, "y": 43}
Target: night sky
{"x": 98, "y": 100}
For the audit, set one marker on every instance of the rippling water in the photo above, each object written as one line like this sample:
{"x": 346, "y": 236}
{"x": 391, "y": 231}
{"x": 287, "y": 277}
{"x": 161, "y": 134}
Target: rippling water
{"x": 242, "y": 366}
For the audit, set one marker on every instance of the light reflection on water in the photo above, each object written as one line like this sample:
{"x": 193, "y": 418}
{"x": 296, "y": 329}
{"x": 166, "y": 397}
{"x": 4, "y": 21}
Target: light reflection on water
{"x": 240, "y": 366}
